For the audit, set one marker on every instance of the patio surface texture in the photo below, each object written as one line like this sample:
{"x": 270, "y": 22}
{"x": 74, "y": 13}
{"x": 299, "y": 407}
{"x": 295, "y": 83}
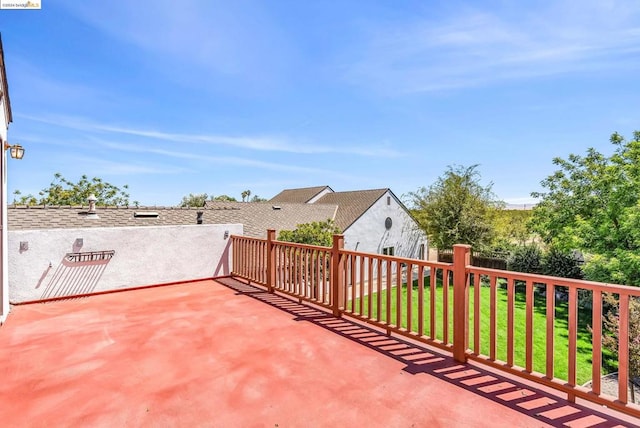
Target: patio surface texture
{"x": 221, "y": 353}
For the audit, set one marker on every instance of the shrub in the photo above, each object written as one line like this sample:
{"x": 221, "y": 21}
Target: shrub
{"x": 525, "y": 258}
{"x": 556, "y": 262}
{"x": 314, "y": 233}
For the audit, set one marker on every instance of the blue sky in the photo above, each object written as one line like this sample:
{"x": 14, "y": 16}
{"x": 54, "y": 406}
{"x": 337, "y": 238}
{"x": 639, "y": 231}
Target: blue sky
{"x": 186, "y": 97}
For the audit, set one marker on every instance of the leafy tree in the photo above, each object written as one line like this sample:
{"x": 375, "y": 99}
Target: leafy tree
{"x": 245, "y": 195}
{"x": 618, "y": 267}
{"x": 511, "y": 228}
{"x": 18, "y": 198}
{"x": 194, "y": 200}
{"x": 592, "y": 204}
{"x": 257, "y": 198}
{"x": 314, "y": 233}
{"x": 65, "y": 192}
{"x": 223, "y": 198}
{"x": 456, "y": 209}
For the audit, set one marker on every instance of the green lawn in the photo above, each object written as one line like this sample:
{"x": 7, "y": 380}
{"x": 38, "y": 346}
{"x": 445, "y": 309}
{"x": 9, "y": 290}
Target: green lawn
{"x": 584, "y": 347}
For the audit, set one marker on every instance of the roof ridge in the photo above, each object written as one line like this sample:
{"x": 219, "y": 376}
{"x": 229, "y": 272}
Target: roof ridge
{"x": 365, "y": 190}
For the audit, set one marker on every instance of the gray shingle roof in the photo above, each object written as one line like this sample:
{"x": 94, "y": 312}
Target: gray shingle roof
{"x": 302, "y": 195}
{"x": 343, "y": 207}
{"x": 256, "y": 217}
{"x": 351, "y": 205}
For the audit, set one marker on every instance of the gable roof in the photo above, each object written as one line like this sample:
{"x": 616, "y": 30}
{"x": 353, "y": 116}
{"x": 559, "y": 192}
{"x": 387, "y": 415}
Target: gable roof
{"x": 5, "y": 86}
{"x": 256, "y": 217}
{"x": 351, "y": 205}
{"x": 301, "y": 195}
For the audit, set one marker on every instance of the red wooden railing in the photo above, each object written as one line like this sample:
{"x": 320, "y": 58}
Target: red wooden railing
{"x": 380, "y": 290}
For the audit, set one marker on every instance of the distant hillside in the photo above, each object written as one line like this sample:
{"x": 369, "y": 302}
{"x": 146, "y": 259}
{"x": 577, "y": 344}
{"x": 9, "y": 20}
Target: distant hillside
{"x": 519, "y": 206}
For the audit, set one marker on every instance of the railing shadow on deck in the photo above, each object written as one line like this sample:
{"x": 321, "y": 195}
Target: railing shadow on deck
{"x": 457, "y": 308}
{"x": 538, "y": 404}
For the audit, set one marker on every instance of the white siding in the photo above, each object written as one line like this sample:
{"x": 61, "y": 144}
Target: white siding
{"x": 369, "y": 234}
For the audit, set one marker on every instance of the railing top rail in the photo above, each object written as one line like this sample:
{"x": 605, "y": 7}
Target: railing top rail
{"x": 406, "y": 260}
{"x": 566, "y": 282}
{"x": 284, "y": 243}
{"x": 303, "y": 246}
{"x": 247, "y": 238}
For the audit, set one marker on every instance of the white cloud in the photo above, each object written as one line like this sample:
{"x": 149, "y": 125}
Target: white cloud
{"x": 220, "y": 160}
{"x": 101, "y": 166}
{"x": 475, "y": 47}
{"x": 226, "y": 38}
{"x": 259, "y": 143}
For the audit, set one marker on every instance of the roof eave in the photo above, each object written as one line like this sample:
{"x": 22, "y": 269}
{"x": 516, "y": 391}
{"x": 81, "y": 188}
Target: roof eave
{"x": 5, "y": 85}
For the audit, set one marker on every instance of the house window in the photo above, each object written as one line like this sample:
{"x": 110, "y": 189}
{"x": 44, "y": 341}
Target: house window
{"x": 388, "y": 200}
{"x": 388, "y": 251}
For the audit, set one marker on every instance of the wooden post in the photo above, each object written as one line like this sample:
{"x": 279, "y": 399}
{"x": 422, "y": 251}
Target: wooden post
{"x": 271, "y": 260}
{"x": 461, "y": 259}
{"x": 337, "y": 268}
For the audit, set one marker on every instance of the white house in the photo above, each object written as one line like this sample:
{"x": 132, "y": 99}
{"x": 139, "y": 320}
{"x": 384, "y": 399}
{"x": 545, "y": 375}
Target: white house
{"x": 372, "y": 221}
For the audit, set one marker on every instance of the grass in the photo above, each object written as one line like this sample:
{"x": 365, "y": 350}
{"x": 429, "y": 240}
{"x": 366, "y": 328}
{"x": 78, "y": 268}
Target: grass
{"x": 561, "y": 340}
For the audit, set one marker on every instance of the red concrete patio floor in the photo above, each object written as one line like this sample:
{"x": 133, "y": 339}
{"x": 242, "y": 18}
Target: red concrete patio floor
{"x": 225, "y": 354}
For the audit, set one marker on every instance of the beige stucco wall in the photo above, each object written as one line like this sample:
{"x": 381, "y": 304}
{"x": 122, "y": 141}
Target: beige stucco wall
{"x": 143, "y": 256}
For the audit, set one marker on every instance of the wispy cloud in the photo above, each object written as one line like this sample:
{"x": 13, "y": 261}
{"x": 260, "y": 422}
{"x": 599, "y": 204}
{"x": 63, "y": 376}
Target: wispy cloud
{"x": 259, "y": 143}
{"x": 476, "y": 47}
{"x": 223, "y": 38}
{"x": 100, "y": 166}
{"x": 218, "y": 160}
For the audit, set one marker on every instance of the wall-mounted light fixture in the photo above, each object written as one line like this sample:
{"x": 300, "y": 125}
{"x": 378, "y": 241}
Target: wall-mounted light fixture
{"x": 226, "y": 234}
{"x": 16, "y": 151}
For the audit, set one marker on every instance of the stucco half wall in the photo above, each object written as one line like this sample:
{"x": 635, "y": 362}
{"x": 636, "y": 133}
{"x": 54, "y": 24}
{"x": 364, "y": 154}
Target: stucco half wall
{"x": 114, "y": 258}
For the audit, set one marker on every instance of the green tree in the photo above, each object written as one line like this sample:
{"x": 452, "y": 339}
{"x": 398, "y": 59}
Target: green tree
{"x": 314, "y": 233}
{"x": 511, "y": 228}
{"x": 257, "y": 198}
{"x": 223, "y": 198}
{"x": 245, "y": 195}
{"x": 592, "y": 204}
{"x": 456, "y": 209}
{"x": 65, "y": 192}
{"x": 194, "y": 200}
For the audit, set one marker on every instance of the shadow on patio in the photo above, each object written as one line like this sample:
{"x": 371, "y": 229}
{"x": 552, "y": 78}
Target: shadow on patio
{"x": 545, "y": 406}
